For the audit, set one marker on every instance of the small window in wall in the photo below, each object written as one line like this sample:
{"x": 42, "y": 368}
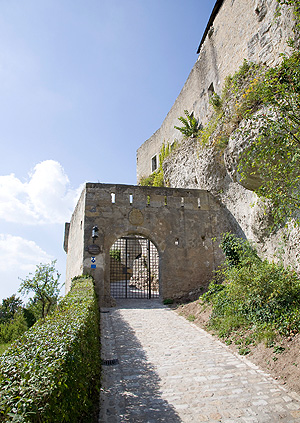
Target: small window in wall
{"x": 153, "y": 163}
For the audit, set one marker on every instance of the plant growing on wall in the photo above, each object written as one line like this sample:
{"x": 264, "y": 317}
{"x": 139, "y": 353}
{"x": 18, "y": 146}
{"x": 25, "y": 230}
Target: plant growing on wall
{"x": 275, "y": 152}
{"x": 191, "y": 126}
{"x": 267, "y": 100}
{"x": 156, "y": 179}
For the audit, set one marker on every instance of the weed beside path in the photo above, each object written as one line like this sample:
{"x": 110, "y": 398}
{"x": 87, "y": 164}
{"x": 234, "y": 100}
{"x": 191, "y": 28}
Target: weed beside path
{"x": 281, "y": 358}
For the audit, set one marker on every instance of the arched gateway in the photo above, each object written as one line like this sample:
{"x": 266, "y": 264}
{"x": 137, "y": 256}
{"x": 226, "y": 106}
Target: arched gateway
{"x": 179, "y": 223}
{"x": 134, "y": 268}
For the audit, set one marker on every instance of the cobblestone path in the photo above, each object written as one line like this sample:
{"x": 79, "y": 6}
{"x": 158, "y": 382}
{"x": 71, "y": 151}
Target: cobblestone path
{"x": 171, "y": 371}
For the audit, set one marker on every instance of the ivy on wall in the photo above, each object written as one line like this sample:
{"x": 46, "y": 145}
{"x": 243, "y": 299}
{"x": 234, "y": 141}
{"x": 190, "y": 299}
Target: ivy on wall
{"x": 267, "y": 101}
{"x": 156, "y": 179}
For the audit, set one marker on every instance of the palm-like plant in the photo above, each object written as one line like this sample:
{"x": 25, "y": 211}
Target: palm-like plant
{"x": 191, "y": 127}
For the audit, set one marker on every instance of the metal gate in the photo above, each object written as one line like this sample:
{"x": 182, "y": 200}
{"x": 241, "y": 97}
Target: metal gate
{"x": 134, "y": 267}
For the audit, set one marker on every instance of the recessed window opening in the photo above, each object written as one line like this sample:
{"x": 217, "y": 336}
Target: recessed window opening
{"x": 153, "y": 163}
{"x": 113, "y": 198}
{"x": 182, "y": 201}
{"x": 199, "y": 203}
{"x": 130, "y": 198}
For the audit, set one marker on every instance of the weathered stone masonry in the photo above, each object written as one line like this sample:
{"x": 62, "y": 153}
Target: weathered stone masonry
{"x": 181, "y": 223}
{"x": 237, "y": 30}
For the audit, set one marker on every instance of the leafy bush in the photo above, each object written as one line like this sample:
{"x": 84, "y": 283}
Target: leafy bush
{"x": 254, "y": 292}
{"x": 14, "y": 328}
{"x": 191, "y": 126}
{"x": 51, "y": 374}
{"x": 116, "y": 254}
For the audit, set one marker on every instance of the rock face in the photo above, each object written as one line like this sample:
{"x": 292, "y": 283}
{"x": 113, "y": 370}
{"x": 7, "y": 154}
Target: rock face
{"x": 244, "y": 29}
{"x": 192, "y": 166}
{"x": 237, "y": 30}
{"x": 251, "y": 30}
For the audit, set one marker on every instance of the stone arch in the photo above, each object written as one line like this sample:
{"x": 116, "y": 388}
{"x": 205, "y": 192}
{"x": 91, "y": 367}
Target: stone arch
{"x": 181, "y": 223}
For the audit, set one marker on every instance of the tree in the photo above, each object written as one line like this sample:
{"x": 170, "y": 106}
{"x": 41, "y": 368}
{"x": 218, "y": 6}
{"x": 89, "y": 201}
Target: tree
{"x": 191, "y": 126}
{"x": 45, "y": 286}
{"x": 9, "y": 307}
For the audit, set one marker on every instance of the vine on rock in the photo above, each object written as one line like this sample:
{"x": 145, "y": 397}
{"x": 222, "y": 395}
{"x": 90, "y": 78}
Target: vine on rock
{"x": 156, "y": 179}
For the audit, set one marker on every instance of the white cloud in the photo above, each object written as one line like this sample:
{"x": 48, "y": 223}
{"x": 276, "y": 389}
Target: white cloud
{"x": 21, "y": 253}
{"x": 18, "y": 258}
{"x": 45, "y": 198}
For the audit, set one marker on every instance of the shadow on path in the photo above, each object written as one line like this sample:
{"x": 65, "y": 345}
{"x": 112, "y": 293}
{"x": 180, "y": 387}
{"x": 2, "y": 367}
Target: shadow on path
{"x": 131, "y": 389}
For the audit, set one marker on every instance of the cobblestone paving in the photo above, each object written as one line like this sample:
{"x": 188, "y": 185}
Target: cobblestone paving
{"x": 172, "y": 371}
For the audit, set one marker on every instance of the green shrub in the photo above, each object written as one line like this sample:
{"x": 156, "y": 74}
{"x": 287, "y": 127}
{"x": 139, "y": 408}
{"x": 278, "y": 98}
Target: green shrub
{"x": 51, "y": 373}
{"x": 116, "y": 254}
{"x": 254, "y": 292}
{"x": 14, "y": 328}
{"x": 191, "y": 126}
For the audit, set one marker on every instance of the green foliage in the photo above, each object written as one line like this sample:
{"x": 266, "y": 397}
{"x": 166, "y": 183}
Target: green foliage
{"x": 237, "y": 250}
{"x": 14, "y": 319}
{"x": 254, "y": 293}
{"x": 156, "y": 179}
{"x": 3, "y": 347}
{"x": 9, "y": 307}
{"x": 275, "y": 152}
{"x": 267, "y": 100}
{"x": 13, "y": 328}
{"x": 191, "y": 126}
{"x": 147, "y": 181}
{"x": 44, "y": 284}
{"x": 51, "y": 374}
{"x": 116, "y": 254}
{"x": 239, "y": 99}
{"x": 191, "y": 317}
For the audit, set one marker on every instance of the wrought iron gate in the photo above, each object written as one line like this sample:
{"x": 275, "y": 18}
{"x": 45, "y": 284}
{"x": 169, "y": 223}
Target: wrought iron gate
{"x": 134, "y": 267}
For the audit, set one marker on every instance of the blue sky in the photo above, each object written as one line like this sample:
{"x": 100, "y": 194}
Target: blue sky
{"x": 83, "y": 85}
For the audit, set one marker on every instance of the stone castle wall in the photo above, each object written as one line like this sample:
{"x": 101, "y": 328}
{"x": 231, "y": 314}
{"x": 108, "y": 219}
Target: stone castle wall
{"x": 181, "y": 224}
{"x": 73, "y": 242}
{"x": 242, "y": 29}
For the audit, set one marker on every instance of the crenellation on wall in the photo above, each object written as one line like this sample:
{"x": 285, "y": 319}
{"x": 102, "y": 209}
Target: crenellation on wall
{"x": 181, "y": 223}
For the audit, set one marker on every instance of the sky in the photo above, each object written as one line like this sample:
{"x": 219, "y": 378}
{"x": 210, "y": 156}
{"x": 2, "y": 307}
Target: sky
{"x": 82, "y": 85}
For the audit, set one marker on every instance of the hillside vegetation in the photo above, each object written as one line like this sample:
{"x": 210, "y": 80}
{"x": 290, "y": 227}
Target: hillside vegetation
{"x": 51, "y": 373}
